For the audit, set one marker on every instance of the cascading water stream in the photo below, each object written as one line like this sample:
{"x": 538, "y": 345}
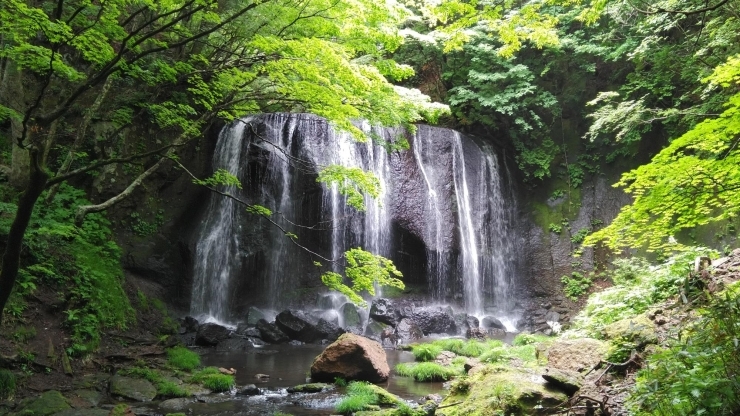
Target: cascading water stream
{"x": 446, "y": 191}
{"x": 218, "y": 238}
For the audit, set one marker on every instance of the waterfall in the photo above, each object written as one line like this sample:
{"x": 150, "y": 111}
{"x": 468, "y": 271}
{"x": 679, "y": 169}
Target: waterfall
{"x": 218, "y": 237}
{"x": 444, "y": 195}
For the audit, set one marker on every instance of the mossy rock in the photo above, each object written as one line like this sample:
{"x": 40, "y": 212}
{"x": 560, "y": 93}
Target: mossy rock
{"x": 510, "y": 392}
{"x": 639, "y": 330}
{"x": 309, "y": 388}
{"x": 48, "y": 403}
{"x": 386, "y": 398}
{"x": 132, "y": 388}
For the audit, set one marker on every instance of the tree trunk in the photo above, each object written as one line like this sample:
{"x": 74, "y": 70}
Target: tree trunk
{"x": 11, "y": 257}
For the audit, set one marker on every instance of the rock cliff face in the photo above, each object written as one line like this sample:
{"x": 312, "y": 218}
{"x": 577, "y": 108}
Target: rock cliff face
{"x": 443, "y": 215}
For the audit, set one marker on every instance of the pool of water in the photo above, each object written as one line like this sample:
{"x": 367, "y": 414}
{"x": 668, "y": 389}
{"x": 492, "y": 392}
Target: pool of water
{"x": 287, "y": 366}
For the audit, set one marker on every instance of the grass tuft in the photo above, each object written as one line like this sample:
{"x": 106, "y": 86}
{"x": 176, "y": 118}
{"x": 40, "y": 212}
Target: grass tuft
{"x": 7, "y": 384}
{"x": 212, "y": 379}
{"x": 183, "y": 359}
{"x": 427, "y": 371}
{"x": 426, "y": 352}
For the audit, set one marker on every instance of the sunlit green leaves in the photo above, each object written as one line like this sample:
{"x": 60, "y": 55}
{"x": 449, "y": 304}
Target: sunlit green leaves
{"x": 221, "y": 177}
{"x": 692, "y": 182}
{"x": 351, "y": 182}
{"x": 364, "y": 270}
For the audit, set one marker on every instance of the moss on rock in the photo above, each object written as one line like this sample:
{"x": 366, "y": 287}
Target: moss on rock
{"x": 510, "y": 392}
{"x": 48, "y": 403}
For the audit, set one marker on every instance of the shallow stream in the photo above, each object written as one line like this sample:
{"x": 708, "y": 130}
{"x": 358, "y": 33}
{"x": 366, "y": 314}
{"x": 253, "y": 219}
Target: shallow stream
{"x": 287, "y": 366}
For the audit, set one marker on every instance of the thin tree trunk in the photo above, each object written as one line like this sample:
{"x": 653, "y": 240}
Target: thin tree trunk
{"x": 81, "y": 131}
{"x": 12, "y": 255}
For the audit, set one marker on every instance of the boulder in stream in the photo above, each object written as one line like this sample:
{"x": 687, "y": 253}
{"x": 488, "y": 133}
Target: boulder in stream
{"x": 351, "y": 357}
{"x": 435, "y": 320}
{"x": 489, "y": 322}
{"x": 302, "y": 327}
{"x": 271, "y": 333}
{"x": 407, "y": 331}
{"x": 211, "y": 334}
{"x": 382, "y": 310}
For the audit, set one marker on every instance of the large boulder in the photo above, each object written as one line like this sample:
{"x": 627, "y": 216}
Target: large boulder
{"x": 489, "y": 322}
{"x": 299, "y": 326}
{"x": 373, "y": 329}
{"x": 382, "y": 310}
{"x": 407, "y": 331}
{"x": 211, "y": 334}
{"x": 351, "y": 357}
{"x": 435, "y": 320}
{"x": 580, "y": 354}
{"x": 567, "y": 381}
{"x": 271, "y": 333}
{"x": 48, "y": 403}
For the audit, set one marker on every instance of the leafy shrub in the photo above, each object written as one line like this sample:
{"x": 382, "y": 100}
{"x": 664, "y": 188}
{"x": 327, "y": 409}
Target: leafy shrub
{"x": 427, "y": 371}
{"x": 637, "y": 287}
{"x": 580, "y": 235}
{"x": 212, "y": 379}
{"x": 575, "y": 285}
{"x": 7, "y": 384}
{"x": 697, "y": 373}
{"x": 555, "y": 228}
{"x": 426, "y": 352}
{"x": 83, "y": 260}
{"x": 183, "y": 359}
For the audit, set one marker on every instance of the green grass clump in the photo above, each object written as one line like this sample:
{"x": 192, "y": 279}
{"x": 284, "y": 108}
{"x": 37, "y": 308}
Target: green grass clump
{"x": 450, "y": 344}
{"x": 340, "y": 382}
{"x": 527, "y": 339}
{"x": 7, "y": 384}
{"x": 183, "y": 359}
{"x": 493, "y": 355}
{"x": 427, "y": 371}
{"x": 360, "y": 394}
{"x": 426, "y": 352}
{"x": 212, "y": 379}
{"x": 165, "y": 388}
{"x": 472, "y": 348}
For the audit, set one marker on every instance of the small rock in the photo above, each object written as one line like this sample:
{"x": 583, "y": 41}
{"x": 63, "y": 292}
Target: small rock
{"x": 310, "y": 388}
{"x": 249, "y": 390}
{"x": 175, "y": 405}
{"x": 227, "y": 371}
{"x": 261, "y": 376}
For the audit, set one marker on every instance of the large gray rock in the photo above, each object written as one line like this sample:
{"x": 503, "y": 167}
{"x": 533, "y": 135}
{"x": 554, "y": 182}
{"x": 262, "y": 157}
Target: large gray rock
{"x": 407, "y": 331}
{"x": 382, "y": 310}
{"x": 211, "y": 334}
{"x": 132, "y": 388}
{"x": 579, "y": 355}
{"x": 434, "y": 320}
{"x": 299, "y": 326}
{"x": 351, "y": 357}
{"x": 489, "y": 322}
{"x": 271, "y": 333}
{"x": 373, "y": 329}
{"x": 48, "y": 403}
{"x": 329, "y": 330}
